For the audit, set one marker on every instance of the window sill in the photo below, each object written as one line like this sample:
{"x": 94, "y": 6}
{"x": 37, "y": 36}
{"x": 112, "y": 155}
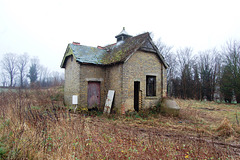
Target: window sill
{"x": 151, "y": 97}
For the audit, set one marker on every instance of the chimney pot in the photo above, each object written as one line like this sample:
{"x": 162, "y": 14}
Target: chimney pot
{"x": 76, "y": 43}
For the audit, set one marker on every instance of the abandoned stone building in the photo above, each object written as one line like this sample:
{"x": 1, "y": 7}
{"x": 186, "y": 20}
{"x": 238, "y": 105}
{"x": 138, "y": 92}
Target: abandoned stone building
{"x": 132, "y": 67}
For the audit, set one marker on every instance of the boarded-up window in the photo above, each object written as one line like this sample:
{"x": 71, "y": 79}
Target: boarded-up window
{"x": 151, "y": 86}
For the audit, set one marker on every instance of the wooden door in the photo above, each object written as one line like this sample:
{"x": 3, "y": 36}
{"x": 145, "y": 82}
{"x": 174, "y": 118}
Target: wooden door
{"x": 93, "y": 94}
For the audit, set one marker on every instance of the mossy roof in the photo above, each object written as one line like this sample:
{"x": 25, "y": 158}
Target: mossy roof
{"x": 111, "y": 54}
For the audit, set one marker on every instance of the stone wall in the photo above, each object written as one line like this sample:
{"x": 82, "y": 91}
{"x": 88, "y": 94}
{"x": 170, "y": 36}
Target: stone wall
{"x": 164, "y": 81}
{"x": 88, "y": 73}
{"x": 114, "y": 82}
{"x": 137, "y": 67}
{"x": 72, "y": 80}
{"x": 119, "y": 77}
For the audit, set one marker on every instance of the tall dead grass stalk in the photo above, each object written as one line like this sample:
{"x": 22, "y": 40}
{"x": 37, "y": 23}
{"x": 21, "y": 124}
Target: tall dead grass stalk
{"x": 34, "y": 125}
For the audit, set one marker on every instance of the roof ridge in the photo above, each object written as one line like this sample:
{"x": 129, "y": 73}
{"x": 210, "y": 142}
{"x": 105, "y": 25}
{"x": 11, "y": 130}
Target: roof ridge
{"x": 83, "y": 45}
{"x": 141, "y": 34}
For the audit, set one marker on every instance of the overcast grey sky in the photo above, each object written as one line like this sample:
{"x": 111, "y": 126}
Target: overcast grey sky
{"x": 44, "y": 28}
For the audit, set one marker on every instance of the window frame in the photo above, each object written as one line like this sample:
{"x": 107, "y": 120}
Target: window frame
{"x": 151, "y": 86}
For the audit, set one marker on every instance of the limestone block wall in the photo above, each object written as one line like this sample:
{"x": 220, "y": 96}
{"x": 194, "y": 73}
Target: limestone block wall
{"x": 137, "y": 67}
{"x": 72, "y": 80}
{"x": 88, "y": 73}
{"x": 164, "y": 81}
{"x": 114, "y": 82}
{"x": 118, "y": 77}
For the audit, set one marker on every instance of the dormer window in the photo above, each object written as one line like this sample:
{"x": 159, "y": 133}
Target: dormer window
{"x": 119, "y": 39}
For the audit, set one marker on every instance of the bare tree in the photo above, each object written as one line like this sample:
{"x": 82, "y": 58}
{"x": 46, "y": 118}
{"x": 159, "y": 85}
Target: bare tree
{"x": 57, "y": 78}
{"x": 230, "y": 80}
{"x": 184, "y": 57}
{"x": 170, "y": 58}
{"x": 8, "y": 63}
{"x": 206, "y": 72}
{"x": 163, "y": 48}
{"x": 23, "y": 60}
{"x": 44, "y": 76}
{"x": 185, "y": 60}
{"x": 3, "y": 79}
{"x": 197, "y": 84}
{"x": 215, "y": 65}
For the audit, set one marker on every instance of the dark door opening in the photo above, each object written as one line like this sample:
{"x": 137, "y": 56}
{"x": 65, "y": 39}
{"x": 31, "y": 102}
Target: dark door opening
{"x": 136, "y": 95}
{"x": 93, "y": 95}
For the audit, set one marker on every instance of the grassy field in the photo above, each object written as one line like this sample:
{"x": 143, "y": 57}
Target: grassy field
{"x": 5, "y": 89}
{"x": 34, "y": 124}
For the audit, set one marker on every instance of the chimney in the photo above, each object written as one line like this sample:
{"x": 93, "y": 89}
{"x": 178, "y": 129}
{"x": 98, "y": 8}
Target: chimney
{"x": 76, "y": 43}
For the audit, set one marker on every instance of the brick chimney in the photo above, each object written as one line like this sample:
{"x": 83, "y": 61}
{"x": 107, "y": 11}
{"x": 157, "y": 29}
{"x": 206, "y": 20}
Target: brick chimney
{"x": 76, "y": 43}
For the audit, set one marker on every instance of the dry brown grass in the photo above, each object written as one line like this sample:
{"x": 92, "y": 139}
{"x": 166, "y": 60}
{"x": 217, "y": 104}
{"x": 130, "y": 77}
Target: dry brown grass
{"x": 35, "y": 125}
{"x": 225, "y": 128}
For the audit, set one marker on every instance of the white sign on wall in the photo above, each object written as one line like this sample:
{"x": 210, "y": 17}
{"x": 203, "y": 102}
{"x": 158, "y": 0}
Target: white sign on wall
{"x": 109, "y": 100}
{"x": 75, "y": 99}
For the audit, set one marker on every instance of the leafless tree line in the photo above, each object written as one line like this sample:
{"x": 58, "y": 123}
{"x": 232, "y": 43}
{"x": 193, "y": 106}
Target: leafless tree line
{"x": 212, "y": 74}
{"x": 19, "y": 70}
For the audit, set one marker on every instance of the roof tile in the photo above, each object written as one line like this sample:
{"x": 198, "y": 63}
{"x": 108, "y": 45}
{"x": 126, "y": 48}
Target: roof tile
{"x": 111, "y": 54}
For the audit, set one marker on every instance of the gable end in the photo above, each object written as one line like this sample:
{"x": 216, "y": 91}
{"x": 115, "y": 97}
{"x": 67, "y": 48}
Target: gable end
{"x": 68, "y": 53}
{"x": 148, "y": 47}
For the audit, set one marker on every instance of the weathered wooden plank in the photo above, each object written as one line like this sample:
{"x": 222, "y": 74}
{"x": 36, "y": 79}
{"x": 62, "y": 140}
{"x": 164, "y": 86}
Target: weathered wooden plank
{"x": 109, "y": 100}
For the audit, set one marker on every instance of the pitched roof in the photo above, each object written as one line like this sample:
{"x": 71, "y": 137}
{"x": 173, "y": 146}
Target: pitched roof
{"x": 83, "y": 54}
{"x": 87, "y": 54}
{"x": 122, "y": 49}
{"x": 111, "y": 54}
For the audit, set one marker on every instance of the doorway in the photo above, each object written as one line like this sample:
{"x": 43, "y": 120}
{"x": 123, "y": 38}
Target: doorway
{"x": 136, "y": 95}
{"x": 93, "y": 95}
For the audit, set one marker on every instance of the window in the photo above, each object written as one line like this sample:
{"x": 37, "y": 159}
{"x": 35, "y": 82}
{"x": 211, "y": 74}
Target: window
{"x": 151, "y": 86}
{"x": 119, "y": 39}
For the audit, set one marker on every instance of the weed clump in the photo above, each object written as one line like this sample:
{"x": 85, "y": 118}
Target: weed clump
{"x": 225, "y": 128}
